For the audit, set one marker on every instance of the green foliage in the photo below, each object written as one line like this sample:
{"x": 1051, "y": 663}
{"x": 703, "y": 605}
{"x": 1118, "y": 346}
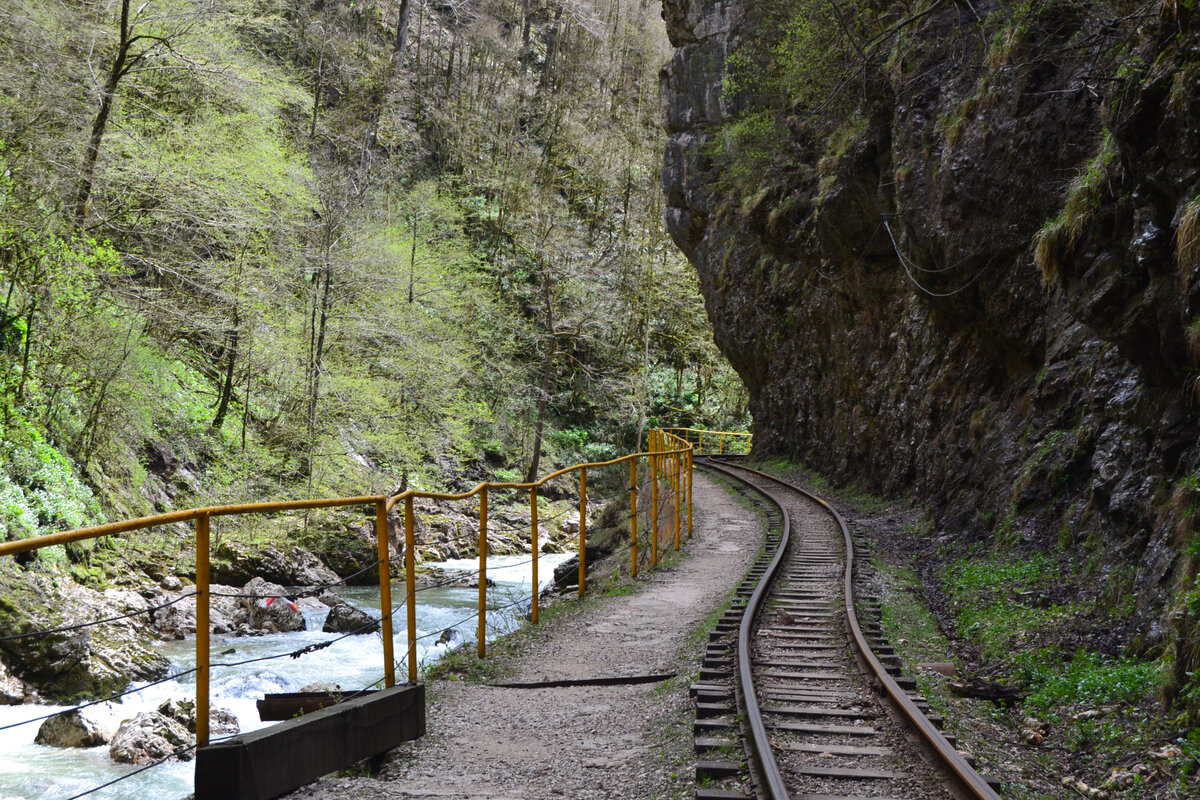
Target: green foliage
{"x": 986, "y": 610}
{"x": 747, "y": 148}
{"x": 40, "y": 492}
{"x": 1091, "y": 680}
{"x": 360, "y": 276}
{"x": 1084, "y": 193}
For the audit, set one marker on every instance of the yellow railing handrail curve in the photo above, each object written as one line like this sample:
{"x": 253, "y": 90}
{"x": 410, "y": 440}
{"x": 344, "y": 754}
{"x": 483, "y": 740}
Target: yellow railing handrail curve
{"x": 721, "y": 437}
{"x": 670, "y": 457}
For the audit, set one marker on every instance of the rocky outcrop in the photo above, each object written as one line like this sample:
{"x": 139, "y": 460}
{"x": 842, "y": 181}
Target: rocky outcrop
{"x": 84, "y": 727}
{"x": 150, "y": 737}
{"x": 12, "y": 690}
{"x": 957, "y": 273}
{"x": 74, "y": 662}
{"x": 257, "y": 608}
{"x": 345, "y": 618}
{"x": 292, "y": 566}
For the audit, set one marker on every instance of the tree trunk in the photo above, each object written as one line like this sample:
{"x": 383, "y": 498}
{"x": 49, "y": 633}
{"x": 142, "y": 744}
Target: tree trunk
{"x": 552, "y": 50}
{"x": 401, "y": 43}
{"x": 547, "y": 376}
{"x": 231, "y": 348}
{"x": 539, "y": 424}
{"x": 116, "y": 71}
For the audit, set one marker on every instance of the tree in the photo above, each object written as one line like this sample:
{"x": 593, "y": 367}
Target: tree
{"x": 140, "y": 43}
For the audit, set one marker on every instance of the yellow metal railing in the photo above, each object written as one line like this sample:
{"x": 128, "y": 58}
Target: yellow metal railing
{"x": 669, "y": 458}
{"x": 727, "y": 442}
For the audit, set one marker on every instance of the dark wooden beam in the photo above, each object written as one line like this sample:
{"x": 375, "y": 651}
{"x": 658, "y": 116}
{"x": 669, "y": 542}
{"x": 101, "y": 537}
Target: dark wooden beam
{"x": 276, "y": 760}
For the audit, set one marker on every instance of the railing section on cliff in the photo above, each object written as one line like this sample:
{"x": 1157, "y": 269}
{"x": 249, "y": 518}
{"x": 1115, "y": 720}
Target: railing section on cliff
{"x": 668, "y": 472}
{"x": 719, "y": 442}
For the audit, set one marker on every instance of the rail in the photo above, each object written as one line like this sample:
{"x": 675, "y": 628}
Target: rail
{"x": 728, "y": 442}
{"x": 968, "y": 782}
{"x": 669, "y": 462}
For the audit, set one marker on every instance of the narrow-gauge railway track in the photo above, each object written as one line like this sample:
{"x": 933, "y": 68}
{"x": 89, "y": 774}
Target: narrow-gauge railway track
{"x": 803, "y": 665}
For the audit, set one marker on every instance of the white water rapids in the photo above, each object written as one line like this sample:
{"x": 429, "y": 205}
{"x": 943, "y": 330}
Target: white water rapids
{"x": 31, "y": 771}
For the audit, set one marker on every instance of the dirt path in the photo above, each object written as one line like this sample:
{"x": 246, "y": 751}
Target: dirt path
{"x": 630, "y": 741}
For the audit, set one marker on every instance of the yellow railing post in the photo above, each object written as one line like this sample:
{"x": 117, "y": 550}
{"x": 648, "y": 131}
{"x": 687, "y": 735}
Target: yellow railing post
{"x": 582, "y": 529}
{"x": 202, "y": 648}
{"x": 633, "y": 515}
{"x": 533, "y": 540}
{"x": 700, "y": 447}
{"x": 690, "y": 468}
{"x": 653, "y": 508}
{"x": 675, "y": 463}
{"x": 410, "y": 581}
{"x": 720, "y": 444}
{"x": 483, "y": 546}
{"x": 385, "y": 590}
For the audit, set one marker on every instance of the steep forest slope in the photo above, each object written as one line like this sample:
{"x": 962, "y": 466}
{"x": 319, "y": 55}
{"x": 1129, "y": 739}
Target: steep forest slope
{"x": 952, "y": 248}
{"x": 268, "y": 248}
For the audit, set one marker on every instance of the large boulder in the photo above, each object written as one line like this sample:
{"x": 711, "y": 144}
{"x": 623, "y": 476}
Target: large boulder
{"x": 150, "y": 737}
{"x": 295, "y": 566}
{"x": 84, "y": 727}
{"x": 268, "y": 610}
{"x": 178, "y": 620}
{"x": 345, "y": 618}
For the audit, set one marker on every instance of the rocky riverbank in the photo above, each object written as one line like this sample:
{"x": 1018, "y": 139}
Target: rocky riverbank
{"x": 149, "y": 600}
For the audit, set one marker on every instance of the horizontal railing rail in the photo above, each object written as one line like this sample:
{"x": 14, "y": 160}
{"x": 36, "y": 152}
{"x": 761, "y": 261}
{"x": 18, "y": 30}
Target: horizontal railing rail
{"x": 728, "y": 442}
{"x": 668, "y": 472}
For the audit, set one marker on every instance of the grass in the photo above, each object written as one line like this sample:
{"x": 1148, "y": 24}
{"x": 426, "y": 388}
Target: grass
{"x": 986, "y": 596}
{"x": 1084, "y": 194}
{"x": 856, "y": 497}
{"x": 1187, "y": 239}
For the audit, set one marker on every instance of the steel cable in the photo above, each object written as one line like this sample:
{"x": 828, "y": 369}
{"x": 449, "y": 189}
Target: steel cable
{"x": 82, "y": 625}
{"x": 312, "y": 591}
{"x": 110, "y": 698}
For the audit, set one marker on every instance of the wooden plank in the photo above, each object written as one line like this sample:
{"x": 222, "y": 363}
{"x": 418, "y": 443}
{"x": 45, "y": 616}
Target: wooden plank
{"x": 830, "y": 730}
{"x": 279, "y": 707}
{"x": 851, "y": 774}
{"x": 836, "y": 749}
{"x": 273, "y": 761}
{"x": 811, "y": 711}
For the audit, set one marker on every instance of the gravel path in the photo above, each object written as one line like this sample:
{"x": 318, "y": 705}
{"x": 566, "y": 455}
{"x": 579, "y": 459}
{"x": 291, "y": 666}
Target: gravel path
{"x": 631, "y": 741}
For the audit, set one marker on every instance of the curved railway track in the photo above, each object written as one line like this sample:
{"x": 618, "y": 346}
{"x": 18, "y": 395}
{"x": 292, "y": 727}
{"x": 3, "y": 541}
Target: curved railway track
{"x": 800, "y": 695}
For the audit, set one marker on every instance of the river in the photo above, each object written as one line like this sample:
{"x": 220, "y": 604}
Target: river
{"x": 30, "y": 771}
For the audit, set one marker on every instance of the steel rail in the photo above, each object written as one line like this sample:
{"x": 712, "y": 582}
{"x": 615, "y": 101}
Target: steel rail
{"x": 964, "y": 775}
{"x": 771, "y": 773}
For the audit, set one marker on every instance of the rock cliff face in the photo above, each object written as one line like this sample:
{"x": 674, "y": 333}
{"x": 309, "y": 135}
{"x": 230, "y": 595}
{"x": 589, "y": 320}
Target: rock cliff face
{"x": 879, "y": 288}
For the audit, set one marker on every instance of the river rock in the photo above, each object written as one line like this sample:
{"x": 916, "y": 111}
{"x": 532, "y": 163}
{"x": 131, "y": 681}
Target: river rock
{"x": 321, "y": 686}
{"x": 268, "y": 610}
{"x": 345, "y": 618}
{"x": 83, "y": 727}
{"x": 221, "y": 721}
{"x": 179, "y": 619}
{"x": 566, "y": 574}
{"x": 150, "y": 737}
{"x": 295, "y": 566}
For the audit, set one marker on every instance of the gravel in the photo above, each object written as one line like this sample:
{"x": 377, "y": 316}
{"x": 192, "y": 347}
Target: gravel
{"x": 625, "y": 741}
